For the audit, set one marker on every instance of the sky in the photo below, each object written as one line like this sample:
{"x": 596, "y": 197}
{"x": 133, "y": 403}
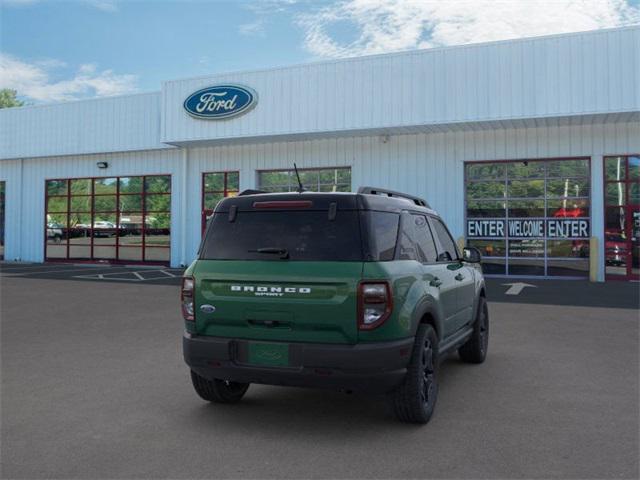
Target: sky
{"x": 55, "y": 50}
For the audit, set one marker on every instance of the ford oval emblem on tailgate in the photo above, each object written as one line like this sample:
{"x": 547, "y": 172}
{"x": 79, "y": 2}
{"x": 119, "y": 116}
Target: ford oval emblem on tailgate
{"x": 207, "y": 308}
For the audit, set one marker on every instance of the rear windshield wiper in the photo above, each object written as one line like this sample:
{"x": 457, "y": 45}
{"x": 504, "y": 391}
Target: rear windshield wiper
{"x": 283, "y": 252}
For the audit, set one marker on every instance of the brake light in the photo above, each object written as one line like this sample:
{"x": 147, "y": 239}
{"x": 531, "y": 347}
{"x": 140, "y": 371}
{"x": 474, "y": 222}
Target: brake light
{"x": 186, "y": 298}
{"x": 284, "y": 204}
{"x": 375, "y": 303}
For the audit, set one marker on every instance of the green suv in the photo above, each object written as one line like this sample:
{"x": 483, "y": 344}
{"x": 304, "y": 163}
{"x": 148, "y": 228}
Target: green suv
{"x": 358, "y": 291}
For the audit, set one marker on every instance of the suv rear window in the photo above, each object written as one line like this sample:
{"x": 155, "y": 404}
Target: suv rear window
{"x": 305, "y": 235}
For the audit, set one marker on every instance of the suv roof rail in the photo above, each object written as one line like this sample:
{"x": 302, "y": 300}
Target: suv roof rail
{"x": 250, "y": 192}
{"x": 390, "y": 193}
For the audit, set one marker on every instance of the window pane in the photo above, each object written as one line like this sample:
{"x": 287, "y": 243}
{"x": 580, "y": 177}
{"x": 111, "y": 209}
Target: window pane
{"x": 568, "y": 188}
{"x": 80, "y": 252}
{"x": 485, "y": 190}
{"x": 57, "y": 204}
{"x": 158, "y": 184}
{"x": 102, "y": 237}
{"x": 233, "y": 181}
{"x": 570, "y": 208}
{"x": 214, "y": 182}
{"x": 526, "y": 267}
{"x": 489, "y": 248}
{"x": 526, "y": 189}
{"x": 493, "y": 266}
{"x": 156, "y": 254}
{"x": 383, "y": 234}
{"x": 568, "y": 168}
{"x": 56, "y": 250}
{"x": 211, "y": 200}
{"x": 306, "y": 235}
{"x": 526, "y": 208}
{"x": 57, "y": 220}
{"x": 130, "y": 185}
{"x": 568, "y": 268}
{"x": 568, "y": 248}
{"x": 104, "y": 252}
{"x": 158, "y": 203}
{"x": 80, "y": 220}
{"x": 80, "y": 235}
{"x": 130, "y": 203}
{"x": 634, "y": 193}
{"x": 273, "y": 179}
{"x": 614, "y": 168}
{"x": 130, "y": 237}
{"x": 133, "y": 254}
{"x": 634, "y": 168}
{"x": 614, "y": 220}
{"x": 323, "y": 180}
{"x": 526, "y": 248}
{"x": 485, "y": 208}
{"x": 104, "y": 220}
{"x": 486, "y": 171}
{"x": 157, "y": 237}
{"x": 525, "y": 169}
{"x": 105, "y": 185}
{"x": 56, "y": 187}
{"x": 55, "y": 234}
{"x": 104, "y": 203}
{"x": 81, "y": 204}
{"x": 158, "y": 220}
{"x": 615, "y": 194}
{"x": 446, "y": 242}
{"x": 80, "y": 186}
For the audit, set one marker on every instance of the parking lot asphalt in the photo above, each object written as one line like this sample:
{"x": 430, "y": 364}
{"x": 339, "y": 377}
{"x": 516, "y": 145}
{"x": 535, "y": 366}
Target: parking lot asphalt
{"x": 94, "y": 386}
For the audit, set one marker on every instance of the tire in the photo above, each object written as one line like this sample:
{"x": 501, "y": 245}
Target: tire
{"x": 218, "y": 391}
{"x": 475, "y": 350}
{"x": 415, "y": 400}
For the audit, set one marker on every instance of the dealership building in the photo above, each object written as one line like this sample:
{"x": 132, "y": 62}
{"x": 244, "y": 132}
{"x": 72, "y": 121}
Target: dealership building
{"x": 529, "y": 149}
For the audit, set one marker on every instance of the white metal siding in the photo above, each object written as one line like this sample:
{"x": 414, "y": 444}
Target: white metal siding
{"x": 113, "y": 124}
{"x": 558, "y": 76}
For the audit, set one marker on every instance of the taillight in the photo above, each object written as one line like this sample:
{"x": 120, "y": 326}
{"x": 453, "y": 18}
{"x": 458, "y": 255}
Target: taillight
{"x": 375, "y": 303}
{"x": 186, "y": 297}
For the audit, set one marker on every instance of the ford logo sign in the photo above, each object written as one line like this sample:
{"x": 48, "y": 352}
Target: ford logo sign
{"x": 220, "y": 101}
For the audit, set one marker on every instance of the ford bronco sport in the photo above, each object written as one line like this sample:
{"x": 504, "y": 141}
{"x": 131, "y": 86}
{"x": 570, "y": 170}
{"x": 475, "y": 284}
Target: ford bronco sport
{"x": 354, "y": 291}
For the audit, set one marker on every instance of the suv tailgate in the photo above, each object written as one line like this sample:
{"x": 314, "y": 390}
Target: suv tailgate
{"x": 293, "y": 301}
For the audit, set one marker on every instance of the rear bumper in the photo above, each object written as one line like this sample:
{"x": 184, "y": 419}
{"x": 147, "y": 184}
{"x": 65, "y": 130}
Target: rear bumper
{"x": 369, "y": 367}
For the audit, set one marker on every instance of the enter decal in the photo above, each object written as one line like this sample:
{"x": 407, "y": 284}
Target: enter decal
{"x": 526, "y": 228}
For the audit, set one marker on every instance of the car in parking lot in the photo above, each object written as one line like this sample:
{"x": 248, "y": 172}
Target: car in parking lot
{"x": 358, "y": 291}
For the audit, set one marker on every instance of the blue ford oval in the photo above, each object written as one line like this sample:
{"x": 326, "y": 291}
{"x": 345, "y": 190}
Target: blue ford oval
{"x": 220, "y": 101}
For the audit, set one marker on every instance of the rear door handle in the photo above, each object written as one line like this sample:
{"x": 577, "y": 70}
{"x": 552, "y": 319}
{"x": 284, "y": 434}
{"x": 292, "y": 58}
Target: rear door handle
{"x": 459, "y": 277}
{"x": 435, "y": 282}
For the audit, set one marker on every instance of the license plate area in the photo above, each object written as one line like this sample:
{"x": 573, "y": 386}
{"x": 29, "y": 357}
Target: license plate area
{"x": 268, "y": 354}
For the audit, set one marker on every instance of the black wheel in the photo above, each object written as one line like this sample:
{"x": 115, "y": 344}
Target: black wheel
{"x": 475, "y": 350}
{"x": 415, "y": 399}
{"x": 218, "y": 391}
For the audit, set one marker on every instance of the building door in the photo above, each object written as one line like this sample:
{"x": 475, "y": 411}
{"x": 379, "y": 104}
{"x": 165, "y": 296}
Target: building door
{"x": 622, "y": 217}
{"x": 116, "y": 219}
{"x": 530, "y": 217}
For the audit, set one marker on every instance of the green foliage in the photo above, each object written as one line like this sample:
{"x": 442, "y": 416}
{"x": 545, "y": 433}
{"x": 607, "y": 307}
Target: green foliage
{"x": 8, "y": 98}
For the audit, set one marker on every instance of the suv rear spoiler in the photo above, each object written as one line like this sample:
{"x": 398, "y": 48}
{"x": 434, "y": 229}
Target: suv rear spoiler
{"x": 390, "y": 193}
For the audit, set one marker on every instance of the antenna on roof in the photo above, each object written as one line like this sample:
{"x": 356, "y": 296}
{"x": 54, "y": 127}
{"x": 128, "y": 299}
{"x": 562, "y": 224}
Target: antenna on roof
{"x": 300, "y": 186}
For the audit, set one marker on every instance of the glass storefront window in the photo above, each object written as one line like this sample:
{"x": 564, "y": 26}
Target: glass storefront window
{"x": 622, "y": 217}
{"x": 314, "y": 180}
{"x": 109, "y": 218}
{"x": 215, "y": 187}
{"x": 522, "y": 215}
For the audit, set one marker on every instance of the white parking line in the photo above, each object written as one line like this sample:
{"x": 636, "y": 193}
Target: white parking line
{"x": 137, "y": 276}
{"x": 31, "y": 272}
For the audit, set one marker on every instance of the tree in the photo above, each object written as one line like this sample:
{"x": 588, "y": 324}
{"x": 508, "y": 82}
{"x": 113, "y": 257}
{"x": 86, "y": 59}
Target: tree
{"x": 8, "y": 98}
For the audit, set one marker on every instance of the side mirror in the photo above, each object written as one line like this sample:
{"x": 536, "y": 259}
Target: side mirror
{"x": 471, "y": 255}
